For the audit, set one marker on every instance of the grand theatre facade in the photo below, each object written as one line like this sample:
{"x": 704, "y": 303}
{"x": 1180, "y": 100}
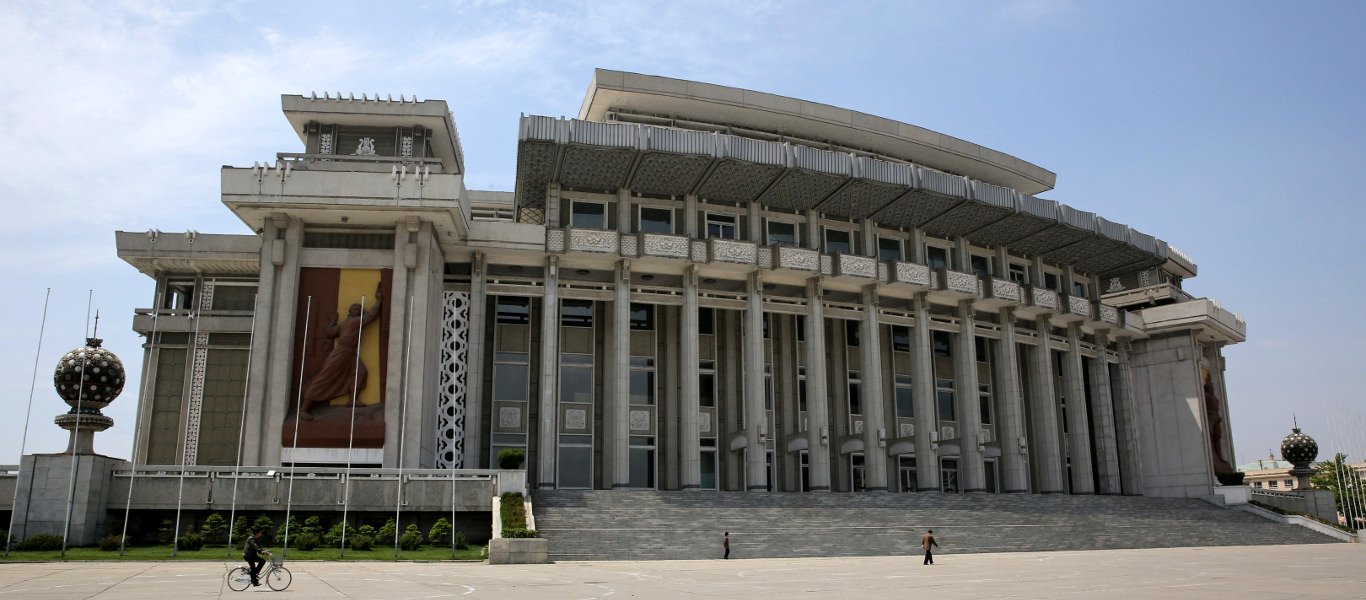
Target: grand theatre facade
{"x": 691, "y": 287}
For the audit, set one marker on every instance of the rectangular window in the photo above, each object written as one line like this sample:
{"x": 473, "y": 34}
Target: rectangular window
{"x": 510, "y": 378}
{"x": 576, "y": 313}
{"x": 906, "y": 470}
{"x": 838, "y": 241}
{"x": 1272, "y": 484}
{"x": 888, "y": 249}
{"x": 981, "y": 265}
{"x": 576, "y": 378}
{"x": 642, "y": 317}
{"x": 234, "y": 297}
{"x": 722, "y": 226}
{"x": 801, "y": 329}
{"x": 948, "y": 474}
{"x": 513, "y": 310}
{"x": 943, "y": 392}
{"x": 768, "y": 386}
{"x": 656, "y": 220}
{"x": 851, "y": 333}
{"x": 943, "y": 343}
{"x": 706, "y": 321}
{"x": 983, "y": 349}
{"x": 937, "y": 257}
{"x": 782, "y": 234}
{"x": 1257, "y": 484}
{"x": 855, "y": 394}
{"x": 801, "y": 389}
{"x": 591, "y": 215}
{"x": 984, "y": 398}
{"x": 1050, "y": 281}
{"x": 1289, "y": 483}
{"x": 1019, "y": 273}
{"x": 706, "y": 383}
{"x": 642, "y": 383}
{"x": 1079, "y": 289}
{"x": 905, "y": 404}
{"x": 901, "y": 338}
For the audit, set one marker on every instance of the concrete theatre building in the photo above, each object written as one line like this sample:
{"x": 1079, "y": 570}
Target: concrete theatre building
{"x": 691, "y": 287}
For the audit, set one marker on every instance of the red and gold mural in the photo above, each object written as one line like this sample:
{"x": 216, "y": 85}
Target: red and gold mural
{"x": 344, "y": 334}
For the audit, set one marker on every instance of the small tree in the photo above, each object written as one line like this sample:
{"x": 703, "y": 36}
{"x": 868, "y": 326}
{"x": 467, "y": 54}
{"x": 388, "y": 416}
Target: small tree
{"x": 1347, "y": 485}
{"x": 312, "y": 525}
{"x": 440, "y": 532}
{"x": 214, "y": 529}
{"x": 411, "y": 538}
{"x": 292, "y": 526}
{"x": 333, "y": 537}
{"x": 267, "y": 527}
{"x": 241, "y": 528}
{"x": 387, "y": 531}
{"x": 166, "y": 532}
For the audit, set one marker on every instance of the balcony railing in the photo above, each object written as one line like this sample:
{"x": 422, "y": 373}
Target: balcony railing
{"x": 1004, "y": 289}
{"x": 1043, "y": 298}
{"x": 910, "y": 273}
{"x": 592, "y": 240}
{"x": 1079, "y": 306}
{"x": 848, "y": 265}
{"x": 958, "y": 281}
{"x": 797, "y": 259}
{"x": 662, "y": 245}
{"x": 732, "y": 251}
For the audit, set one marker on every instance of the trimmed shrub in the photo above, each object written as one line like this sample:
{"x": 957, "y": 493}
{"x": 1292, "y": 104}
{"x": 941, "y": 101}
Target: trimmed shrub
{"x": 292, "y": 525}
{"x": 191, "y": 541}
{"x": 214, "y": 529}
{"x": 519, "y": 532}
{"x": 305, "y": 541}
{"x": 333, "y": 537}
{"x": 312, "y": 525}
{"x": 241, "y": 530}
{"x": 165, "y": 533}
{"x": 411, "y": 538}
{"x": 360, "y": 541}
{"x": 511, "y": 458}
{"x": 366, "y": 530}
{"x": 111, "y": 542}
{"x": 460, "y": 542}
{"x": 440, "y": 532}
{"x": 512, "y": 511}
{"x": 387, "y": 531}
{"x": 267, "y": 526}
{"x": 42, "y": 541}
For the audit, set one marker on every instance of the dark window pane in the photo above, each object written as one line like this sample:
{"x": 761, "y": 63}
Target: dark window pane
{"x": 851, "y": 334}
{"x": 901, "y": 338}
{"x": 576, "y": 384}
{"x": 656, "y": 220}
{"x": 643, "y": 317}
{"x": 985, "y": 407}
{"x": 510, "y": 382}
{"x": 642, "y": 387}
{"x": 592, "y": 215}
{"x": 1050, "y": 281}
{"x": 782, "y": 234}
{"x": 234, "y": 297}
{"x": 513, "y": 310}
{"x": 706, "y": 321}
{"x": 981, "y": 266}
{"x": 938, "y": 257}
{"x": 905, "y": 405}
{"x": 888, "y": 249}
{"x": 576, "y": 313}
{"x": 838, "y": 241}
{"x": 943, "y": 344}
{"x": 706, "y": 389}
{"x": 855, "y": 398}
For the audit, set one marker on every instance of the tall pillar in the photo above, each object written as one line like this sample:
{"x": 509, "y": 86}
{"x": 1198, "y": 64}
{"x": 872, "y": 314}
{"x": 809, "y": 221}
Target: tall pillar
{"x": 690, "y": 216}
{"x": 1103, "y": 422}
{"x": 278, "y": 399}
{"x": 272, "y": 257}
{"x": 971, "y": 471}
{"x": 474, "y": 362}
{"x": 1078, "y": 424}
{"x": 1010, "y": 428}
{"x": 874, "y": 402}
{"x": 690, "y": 408}
{"x": 1043, "y": 411}
{"x": 922, "y": 382}
{"x": 817, "y": 403}
{"x": 617, "y": 461}
{"x": 1126, "y": 425}
{"x": 550, "y": 368}
{"x": 756, "y": 473}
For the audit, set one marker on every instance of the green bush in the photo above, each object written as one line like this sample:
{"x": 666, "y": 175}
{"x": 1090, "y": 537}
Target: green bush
{"x": 305, "y": 541}
{"x": 387, "y": 532}
{"x": 190, "y": 541}
{"x": 312, "y": 525}
{"x": 214, "y": 529}
{"x": 440, "y": 532}
{"x": 460, "y": 542}
{"x": 512, "y": 510}
{"x": 366, "y": 530}
{"x": 291, "y": 525}
{"x": 165, "y": 534}
{"x": 111, "y": 542}
{"x": 360, "y": 541}
{"x": 267, "y": 526}
{"x": 411, "y": 538}
{"x": 1234, "y": 478}
{"x": 511, "y": 458}
{"x": 241, "y": 530}
{"x": 333, "y": 537}
{"x": 519, "y": 532}
{"x": 42, "y": 541}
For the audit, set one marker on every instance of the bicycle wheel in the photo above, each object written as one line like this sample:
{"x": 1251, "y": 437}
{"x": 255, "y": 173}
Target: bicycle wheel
{"x": 279, "y": 579}
{"x": 239, "y": 579}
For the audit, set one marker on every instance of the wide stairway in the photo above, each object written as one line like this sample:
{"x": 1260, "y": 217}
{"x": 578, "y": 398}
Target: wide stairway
{"x": 651, "y": 525}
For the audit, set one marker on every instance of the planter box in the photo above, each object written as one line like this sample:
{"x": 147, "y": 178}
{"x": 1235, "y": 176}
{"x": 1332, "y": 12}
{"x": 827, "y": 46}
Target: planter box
{"x": 519, "y": 551}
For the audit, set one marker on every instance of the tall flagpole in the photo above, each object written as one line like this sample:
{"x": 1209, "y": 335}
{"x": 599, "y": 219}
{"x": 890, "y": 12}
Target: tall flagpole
{"x": 23, "y": 443}
{"x": 403, "y": 420}
{"x": 147, "y": 369}
{"x": 185, "y": 446}
{"x": 76, "y": 433}
{"x": 242, "y": 424}
{"x": 298, "y": 410}
{"x": 351, "y": 436}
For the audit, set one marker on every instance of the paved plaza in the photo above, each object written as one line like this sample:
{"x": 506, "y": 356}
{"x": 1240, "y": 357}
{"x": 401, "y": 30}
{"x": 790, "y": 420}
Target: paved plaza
{"x": 1301, "y": 572}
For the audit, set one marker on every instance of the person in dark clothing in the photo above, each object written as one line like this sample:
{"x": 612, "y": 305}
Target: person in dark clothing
{"x": 252, "y": 553}
{"x": 725, "y": 544}
{"x": 927, "y": 542}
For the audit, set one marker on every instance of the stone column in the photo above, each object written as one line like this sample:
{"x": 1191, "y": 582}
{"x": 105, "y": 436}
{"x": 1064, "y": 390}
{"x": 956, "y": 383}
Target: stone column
{"x": 874, "y": 402}
{"x": 1214, "y": 357}
{"x": 263, "y": 337}
{"x": 278, "y": 394}
{"x": 1043, "y": 410}
{"x": 690, "y": 408}
{"x": 971, "y": 471}
{"x": 922, "y": 382}
{"x": 756, "y": 473}
{"x": 1078, "y": 424}
{"x": 617, "y": 461}
{"x": 1010, "y": 428}
{"x": 817, "y": 400}
{"x": 474, "y": 362}
{"x": 546, "y": 437}
{"x": 623, "y": 210}
{"x": 1126, "y": 425}
{"x": 1103, "y": 422}
{"x": 690, "y": 216}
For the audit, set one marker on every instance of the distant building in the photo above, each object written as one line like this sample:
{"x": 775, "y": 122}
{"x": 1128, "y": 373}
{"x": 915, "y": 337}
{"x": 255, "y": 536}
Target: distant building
{"x": 1268, "y": 474}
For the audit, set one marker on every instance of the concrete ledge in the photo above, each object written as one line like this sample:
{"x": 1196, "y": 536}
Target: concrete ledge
{"x": 1305, "y": 522}
{"x": 519, "y": 551}
{"x": 1234, "y": 494}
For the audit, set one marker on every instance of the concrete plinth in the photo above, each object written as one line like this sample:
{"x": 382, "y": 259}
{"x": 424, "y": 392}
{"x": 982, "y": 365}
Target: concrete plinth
{"x": 45, "y": 487}
{"x": 519, "y": 551}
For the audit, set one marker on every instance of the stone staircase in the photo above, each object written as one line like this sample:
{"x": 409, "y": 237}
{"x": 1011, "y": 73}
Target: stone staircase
{"x": 654, "y": 525}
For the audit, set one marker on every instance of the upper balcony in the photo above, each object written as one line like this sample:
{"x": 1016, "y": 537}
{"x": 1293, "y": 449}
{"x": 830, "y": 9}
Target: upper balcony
{"x": 1210, "y": 321}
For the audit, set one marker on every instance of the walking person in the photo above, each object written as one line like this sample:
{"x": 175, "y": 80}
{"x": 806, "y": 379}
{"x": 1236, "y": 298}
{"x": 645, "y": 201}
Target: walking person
{"x": 927, "y": 542}
{"x": 725, "y": 544}
{"x": 252, "y": 553}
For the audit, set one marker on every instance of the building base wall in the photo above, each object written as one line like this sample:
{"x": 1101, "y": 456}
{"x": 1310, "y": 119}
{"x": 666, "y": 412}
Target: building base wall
{"x": 46, "y": 495}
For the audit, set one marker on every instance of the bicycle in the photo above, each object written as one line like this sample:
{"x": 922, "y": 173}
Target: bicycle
{"x": 274, "y": 575}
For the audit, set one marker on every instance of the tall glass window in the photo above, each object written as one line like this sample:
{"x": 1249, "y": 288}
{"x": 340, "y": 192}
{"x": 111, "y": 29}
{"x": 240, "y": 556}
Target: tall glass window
{"x": 642, "y": 384}
{"x": 943, "y": 393}
{"x": 706, "y": 383}
{"x": 511, "y": 374}
{"x": 656, "y": 220}
{"x": 576, "y": 313}
{"x": 514, "y": 310}
{"x": 981, "y": 265}
{"x": 801, "y": 388}
{"x": 984, "y": 399}
{"x": 576, "y": 378}
{"x": 905, "y": 405}
{"x": 948, "y": 474}
{"x": 642, "y": 317}
{"x": 906, "y": 472}
{"x": 855, "y": 393}
{"x": 1019, "y": 273}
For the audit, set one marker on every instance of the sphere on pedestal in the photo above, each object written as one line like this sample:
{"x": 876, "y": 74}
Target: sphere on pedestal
{"x": 90, "y": 377}
{"x": 1299, "y": 449}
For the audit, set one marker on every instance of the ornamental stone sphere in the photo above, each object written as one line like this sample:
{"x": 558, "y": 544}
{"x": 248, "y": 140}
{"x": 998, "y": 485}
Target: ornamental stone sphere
{"x": 92, "y": 376}
{"x": 1299, "y": 449}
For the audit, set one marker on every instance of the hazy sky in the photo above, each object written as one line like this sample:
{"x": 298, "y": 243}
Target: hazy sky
{"x": 1236, "y": 131}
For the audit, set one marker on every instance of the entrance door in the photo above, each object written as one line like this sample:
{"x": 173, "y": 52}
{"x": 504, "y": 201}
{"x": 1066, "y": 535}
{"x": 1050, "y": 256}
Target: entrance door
{"x": 856, "y": 481}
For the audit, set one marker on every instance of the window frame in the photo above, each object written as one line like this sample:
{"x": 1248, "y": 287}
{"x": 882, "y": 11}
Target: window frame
{"x": 574, "y": 202}
{"x": 640, "y": 219}
{"x": 825, "y": 240}
{"x": 796, "y": 233}
{"x": 707, "y": 221}
{"x": 900, "y": 248}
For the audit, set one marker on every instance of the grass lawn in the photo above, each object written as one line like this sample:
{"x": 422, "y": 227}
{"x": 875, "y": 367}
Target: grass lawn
{"x": 221, "y": 553}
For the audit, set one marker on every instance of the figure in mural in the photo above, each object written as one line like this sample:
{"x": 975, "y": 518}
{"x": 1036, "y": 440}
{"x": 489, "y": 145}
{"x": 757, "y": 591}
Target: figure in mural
{"x": 342, "y": 373}
{"x": 1216, "y": 428}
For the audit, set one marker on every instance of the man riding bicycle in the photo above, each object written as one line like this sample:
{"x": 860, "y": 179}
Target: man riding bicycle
{"x": 253, "y": 554}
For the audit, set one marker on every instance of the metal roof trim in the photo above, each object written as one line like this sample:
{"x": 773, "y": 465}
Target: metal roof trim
{"x": 995, "y": 195}
{"x": 1039, "y": 207}
{"x": 942, "y": 183}
{"x": 1110, "y": 229}
{"x": 1081, "y": 219}
{"x": 821, "y": 161}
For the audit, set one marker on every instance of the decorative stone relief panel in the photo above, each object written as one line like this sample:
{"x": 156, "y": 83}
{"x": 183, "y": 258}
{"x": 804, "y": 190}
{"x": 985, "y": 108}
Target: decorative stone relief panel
{"x": 913, "y": 273}
{"x": 510, "y": 417}
{"x": 1115, "y": 286}
{"x": 704, "y": 422}
{"x": 857, "y": 266}
{"x": 576, "y": 419}
{"x": 906, "y": 430}
{"x": 766, "y": 257}
{"x": 365, "y": 147}
{"x": 1044, "y": 298}
{"x": 1005, "y": 290}
{"x": 206, "y": 295}
{"x": 640, "y": 420}
{"x": 858, "y": 426}
{"x": 1109, "y": 314}
{"x": 405, "y": 146}
{"x": 799, "y": 259}
{"x": 882, "y": 271}
{"x": 450, "y": 394}
{"x": 960, "y": 282}
{"x": 196, "y": 403}
{"x": 554, "y": 240}
{"x": 947, "y": 432}
{"x": 1079, "y": 306}
{"x": 593, "y": 240}
{"x": 733, "y": 251}
{"x": 325, "y": 143}
{"x": 672, "y": 246}
{"x": 628, "y": 246}
{"x": 827, "y": 266}
{"x": 699, "y": 251}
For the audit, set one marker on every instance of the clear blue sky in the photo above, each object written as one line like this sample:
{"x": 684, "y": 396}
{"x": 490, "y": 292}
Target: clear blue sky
{"x": 1233, "y": 130}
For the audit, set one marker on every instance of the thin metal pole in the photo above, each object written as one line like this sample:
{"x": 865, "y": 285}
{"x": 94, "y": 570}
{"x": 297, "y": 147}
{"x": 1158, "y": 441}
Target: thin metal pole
{"x": 1354, "y": 479}
{"x": 76, "y": 433}
{"x": 23, "y": 441}
{"x": 1356, "y": 447}
{"x": 242, "y": 424}
{"x": 351, "y": 435}
{"x": 298, "y": 409}
{"x": 146, "y": 370}
{"x": 1341, "y": 502}
{"x": 185, "y": 448}
{"x": 403, "y": 418}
